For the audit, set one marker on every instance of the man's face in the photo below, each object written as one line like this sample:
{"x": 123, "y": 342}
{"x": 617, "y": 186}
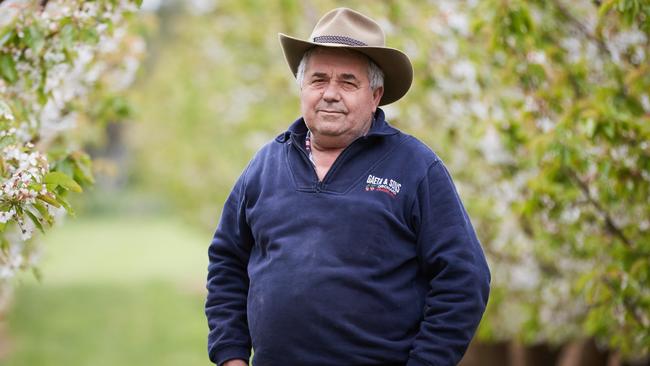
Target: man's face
{"x": 336, "y": 100}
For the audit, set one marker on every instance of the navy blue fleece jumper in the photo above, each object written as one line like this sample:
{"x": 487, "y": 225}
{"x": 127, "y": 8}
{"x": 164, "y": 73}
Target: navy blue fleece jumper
{"x": 378, "y": 264}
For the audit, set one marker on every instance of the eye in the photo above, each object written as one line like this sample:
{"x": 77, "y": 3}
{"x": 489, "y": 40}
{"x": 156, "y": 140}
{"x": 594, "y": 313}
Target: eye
{"x": 350, "y": 85}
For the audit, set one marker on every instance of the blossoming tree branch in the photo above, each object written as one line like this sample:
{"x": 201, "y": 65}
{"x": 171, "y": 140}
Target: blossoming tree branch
{"x": 62, "y": 65}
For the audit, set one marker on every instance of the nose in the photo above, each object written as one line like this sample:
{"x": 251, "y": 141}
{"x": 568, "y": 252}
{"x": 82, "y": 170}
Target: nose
{"x": 331, "y": 92}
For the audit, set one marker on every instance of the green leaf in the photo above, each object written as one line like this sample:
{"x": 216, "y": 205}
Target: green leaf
{"x": 66, "y": 166}
{"x": 606, "y": 7}
{"x": 5, "y": 37}
{"x": 40, "y": 91}
{"x": 6, "y": 141}
{"x": 82, "y": 168}
{"x": 35, "y": 39}
{"x": 62, "y": 180}
{"x": 49, "y": 200}
{"x": 5, "y": 110}
{"x": 45, "y": 214}
{"x": 67, "y": 206}
{"x": 590, "y": 127}
{"x": 37, "y": 274}
{"x": 67, "y": 34}
{"x": 609, "y": 130}
{"x": 89, "y": 35}
{"x": 35, "y": 220}
{"x": 8, "y": 68}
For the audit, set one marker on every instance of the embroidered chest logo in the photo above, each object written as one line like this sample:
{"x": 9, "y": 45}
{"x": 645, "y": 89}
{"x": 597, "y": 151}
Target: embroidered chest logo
{"x": 385, "y": 185}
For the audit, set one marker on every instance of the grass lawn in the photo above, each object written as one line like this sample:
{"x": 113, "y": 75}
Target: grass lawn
{"x": 115, "y": 291}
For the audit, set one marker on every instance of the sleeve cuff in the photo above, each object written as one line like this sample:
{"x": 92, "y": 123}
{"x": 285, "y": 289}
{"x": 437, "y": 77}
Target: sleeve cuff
{"x": 230, "y": 353}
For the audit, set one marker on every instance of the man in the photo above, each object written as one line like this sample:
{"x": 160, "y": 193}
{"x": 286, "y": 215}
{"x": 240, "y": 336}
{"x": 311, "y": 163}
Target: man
{"x": 344, "y": 241}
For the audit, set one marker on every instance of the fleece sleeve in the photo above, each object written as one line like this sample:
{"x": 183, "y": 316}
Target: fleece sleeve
{"x": 227, "y": 282}
{"x": 453, "y": 263}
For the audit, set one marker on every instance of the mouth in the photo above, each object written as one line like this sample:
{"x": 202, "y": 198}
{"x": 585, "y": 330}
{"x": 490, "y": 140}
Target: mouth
{"x": 330, "y": 111}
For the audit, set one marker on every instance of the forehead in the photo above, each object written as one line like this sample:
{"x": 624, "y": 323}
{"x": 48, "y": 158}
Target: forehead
{"x": 338, "y": 61}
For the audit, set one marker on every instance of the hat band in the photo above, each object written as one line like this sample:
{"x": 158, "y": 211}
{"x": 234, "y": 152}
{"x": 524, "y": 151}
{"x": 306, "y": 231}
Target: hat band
{"x": 339, "y": 39}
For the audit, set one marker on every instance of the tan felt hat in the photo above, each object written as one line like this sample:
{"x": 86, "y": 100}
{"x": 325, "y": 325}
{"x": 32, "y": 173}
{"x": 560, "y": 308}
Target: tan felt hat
{"x": 347, "y": 28}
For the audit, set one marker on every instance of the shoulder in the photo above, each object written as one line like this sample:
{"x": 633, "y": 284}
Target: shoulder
{"x": 419, "y": 153}
{"x": 267, "y": 161}
{"x": 268, "y": 152}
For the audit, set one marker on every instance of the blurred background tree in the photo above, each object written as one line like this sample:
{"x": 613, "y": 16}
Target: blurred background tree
{"x": 575, "y": 83}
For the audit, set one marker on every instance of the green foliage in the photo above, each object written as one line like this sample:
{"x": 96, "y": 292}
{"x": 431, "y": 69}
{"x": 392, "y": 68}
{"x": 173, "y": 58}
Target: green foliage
{"x": 582, "y": 144}
{"x": 54, "y": 69}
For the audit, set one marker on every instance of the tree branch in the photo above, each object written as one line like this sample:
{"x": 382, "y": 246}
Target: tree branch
{"x": 565, "y": 13}
{"x": 609, "y": 222}
{"x": 627, "y": 303}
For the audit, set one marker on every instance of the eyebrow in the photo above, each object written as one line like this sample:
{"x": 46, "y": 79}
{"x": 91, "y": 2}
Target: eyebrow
{"x": 349, "y": 77}
{"x": 319, "y": 75}
{"x": 344, "y": 76}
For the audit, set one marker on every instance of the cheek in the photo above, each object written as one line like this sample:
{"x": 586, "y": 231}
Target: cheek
{"x": 361, "y": 106}
{"x": 304, "y": 104}
{"x": 309, "y": 99}
{"x": 306, "y": 107}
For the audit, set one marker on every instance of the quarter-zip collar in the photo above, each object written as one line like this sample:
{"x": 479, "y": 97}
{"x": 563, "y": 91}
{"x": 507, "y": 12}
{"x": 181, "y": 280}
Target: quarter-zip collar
{"x": 348, "y": 168}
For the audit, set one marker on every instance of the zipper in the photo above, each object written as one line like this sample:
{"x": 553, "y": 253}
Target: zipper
{"x": 339, "y": 159}
{"x": 319, "y": 186}
{"x": 321, "y": 183}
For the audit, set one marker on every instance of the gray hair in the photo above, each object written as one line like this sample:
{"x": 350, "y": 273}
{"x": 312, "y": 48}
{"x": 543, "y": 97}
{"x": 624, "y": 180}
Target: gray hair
{"x": 375, "y": 74}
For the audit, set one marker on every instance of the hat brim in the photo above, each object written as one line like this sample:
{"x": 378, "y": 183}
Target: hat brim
{"x": 397, "y": 68}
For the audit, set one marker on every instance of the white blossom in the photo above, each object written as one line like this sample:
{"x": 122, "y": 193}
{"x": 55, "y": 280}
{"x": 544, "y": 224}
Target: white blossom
{"x": 645, "y": 102}
{"x": 66, "y": 86}
{"x": 573, "y": 47}
{"x": 198, "y": 7}
{"x": 536, "y": 57}
{"x": 479, "y": 109}
{"x": 7, "y": 215}
{"x": 464, "y": 69}
{"x": 570, "y": 215}
{"x": 5, "y": 111}
{"x": 545, "y": 124}
{"x": 150, "y": 5}
{"x": 644, "y": 225}
{"x": 619, "y": 43}
{"x": 492, "y": 147}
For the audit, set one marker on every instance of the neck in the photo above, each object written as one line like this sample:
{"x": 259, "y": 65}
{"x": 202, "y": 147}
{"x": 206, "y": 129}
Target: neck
{"x": 326, "y": 143}
{"x": 324, "y": 157}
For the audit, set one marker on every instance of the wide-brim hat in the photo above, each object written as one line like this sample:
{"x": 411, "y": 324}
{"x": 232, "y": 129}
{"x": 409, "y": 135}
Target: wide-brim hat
{"x": 346, "y": 28}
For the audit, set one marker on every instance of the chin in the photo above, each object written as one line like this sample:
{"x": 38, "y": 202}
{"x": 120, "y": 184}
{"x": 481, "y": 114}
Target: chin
{"x": 331, "y": 133}
{"x": 325, "y": 131}
{"x": 327, "y": 127}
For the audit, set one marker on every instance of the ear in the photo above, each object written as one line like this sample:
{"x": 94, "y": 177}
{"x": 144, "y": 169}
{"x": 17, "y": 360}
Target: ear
{"x": 376, "y": 96}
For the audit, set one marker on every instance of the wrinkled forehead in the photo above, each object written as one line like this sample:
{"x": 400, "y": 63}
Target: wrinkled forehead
{"x": 338, "y": 60}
